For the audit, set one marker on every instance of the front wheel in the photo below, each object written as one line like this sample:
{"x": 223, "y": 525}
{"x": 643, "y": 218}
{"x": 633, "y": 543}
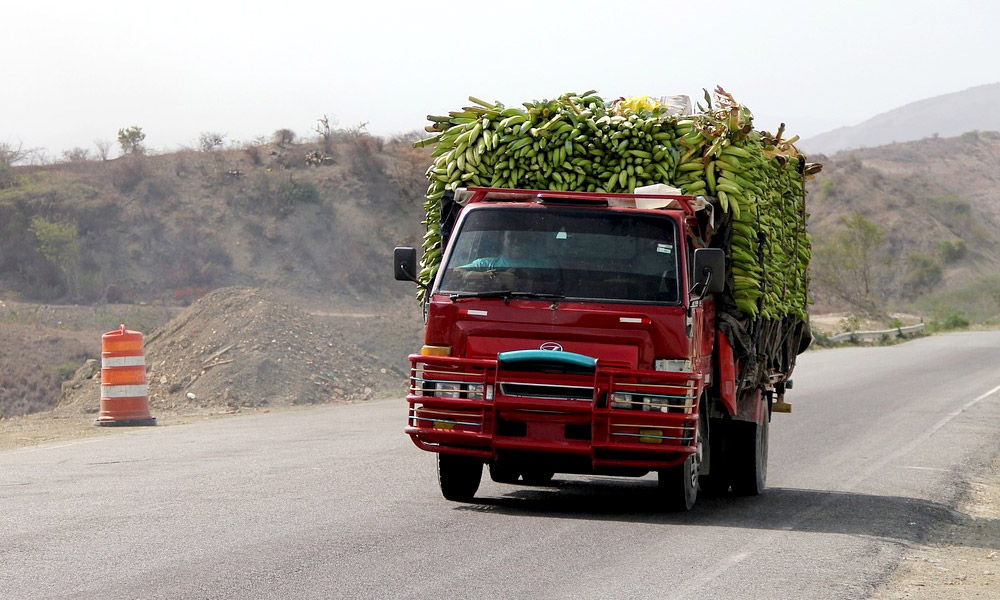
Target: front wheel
{"x": 678, "y": 485}
{"x": 459, "y": 476}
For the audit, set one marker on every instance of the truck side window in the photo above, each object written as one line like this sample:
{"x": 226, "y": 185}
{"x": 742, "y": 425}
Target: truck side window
{"x": 689, "y": 254}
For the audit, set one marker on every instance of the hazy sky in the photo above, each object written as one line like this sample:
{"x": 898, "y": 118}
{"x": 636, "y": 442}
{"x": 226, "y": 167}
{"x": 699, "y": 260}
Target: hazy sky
{"x": 75, "y": 72}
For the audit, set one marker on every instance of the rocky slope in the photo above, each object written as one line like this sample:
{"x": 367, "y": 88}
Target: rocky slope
{"x": 241, "y": 348}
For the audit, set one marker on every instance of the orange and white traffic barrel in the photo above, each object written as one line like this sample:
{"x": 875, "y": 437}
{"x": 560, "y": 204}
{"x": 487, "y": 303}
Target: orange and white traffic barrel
{"x": 124, "y": 395}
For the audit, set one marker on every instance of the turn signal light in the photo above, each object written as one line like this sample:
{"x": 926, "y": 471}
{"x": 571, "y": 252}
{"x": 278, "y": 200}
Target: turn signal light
{"x": 436, "y": 351}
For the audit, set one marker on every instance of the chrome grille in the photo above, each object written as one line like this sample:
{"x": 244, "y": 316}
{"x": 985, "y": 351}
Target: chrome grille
{"x": 546, "y": 390}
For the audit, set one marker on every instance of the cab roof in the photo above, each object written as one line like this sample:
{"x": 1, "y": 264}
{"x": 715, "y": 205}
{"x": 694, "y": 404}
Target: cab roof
{"x": 689, "y": 204}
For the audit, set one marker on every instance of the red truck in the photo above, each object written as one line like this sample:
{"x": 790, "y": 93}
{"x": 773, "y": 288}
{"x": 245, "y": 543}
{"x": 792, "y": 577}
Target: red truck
{"x": 573, "y": 332}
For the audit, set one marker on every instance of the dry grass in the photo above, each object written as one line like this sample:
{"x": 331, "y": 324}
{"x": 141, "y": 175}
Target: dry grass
{"x": 36, "y": 361}
{"x": 41, "y": 346}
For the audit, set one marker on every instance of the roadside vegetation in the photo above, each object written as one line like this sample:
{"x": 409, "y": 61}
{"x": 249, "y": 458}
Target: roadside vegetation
{"x": 902, "y": 229}
{"x": 909, "y": 228}
{"x": 302, "y": 214}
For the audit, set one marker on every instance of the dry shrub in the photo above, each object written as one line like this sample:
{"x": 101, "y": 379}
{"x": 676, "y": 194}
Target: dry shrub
{"x": 129, "y": 173}
{"x": 255, "y": 153}
{"x": 364, "y": 150}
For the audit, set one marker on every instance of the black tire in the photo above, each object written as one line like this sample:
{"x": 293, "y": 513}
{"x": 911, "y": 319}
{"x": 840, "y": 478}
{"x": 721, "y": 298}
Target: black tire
{"x": 749, "y": 476}
{"x": 679, "y": 486}
{"x": 537, "y": 476}
{"x": 503, "y": 474}
{"x": 459, "y": 476}
{"x": 716, "y": 483}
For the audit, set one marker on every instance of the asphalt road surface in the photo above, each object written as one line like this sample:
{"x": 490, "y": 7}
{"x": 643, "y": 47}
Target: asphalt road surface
{"x": 335, "y": 502}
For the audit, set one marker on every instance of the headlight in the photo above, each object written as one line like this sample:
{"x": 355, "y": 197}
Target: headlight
{"x": 451, "y": 389}
{"x": 638, "y": 402}
{"x": 656, "y": 404}
{"x": 620, "y": 400}
{"x": 444, "y": 389}
{"x": 441, "y": 382}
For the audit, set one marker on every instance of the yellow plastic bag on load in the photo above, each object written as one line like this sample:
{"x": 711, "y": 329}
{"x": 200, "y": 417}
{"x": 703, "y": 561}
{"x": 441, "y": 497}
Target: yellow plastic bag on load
{"x": 637, "y": 103}
{"x": 674, "y": 105}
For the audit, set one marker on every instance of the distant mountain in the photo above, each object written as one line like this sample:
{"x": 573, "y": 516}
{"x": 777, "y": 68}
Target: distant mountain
{"x": 974, "y": 109}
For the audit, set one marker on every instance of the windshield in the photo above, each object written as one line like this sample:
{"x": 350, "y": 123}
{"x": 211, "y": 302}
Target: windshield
{"x": 512, "y": 251}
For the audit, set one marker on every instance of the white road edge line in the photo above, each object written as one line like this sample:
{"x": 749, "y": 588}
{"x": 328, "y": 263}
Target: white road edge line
{"x": 878, "y": 466}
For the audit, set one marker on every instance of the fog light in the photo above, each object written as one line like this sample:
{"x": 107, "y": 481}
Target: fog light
{"x": 651, "y": 436}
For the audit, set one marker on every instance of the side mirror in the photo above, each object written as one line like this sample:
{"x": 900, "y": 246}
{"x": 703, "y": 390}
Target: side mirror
{"x": 709, "y": 271}
{"x": 404, "y": 263}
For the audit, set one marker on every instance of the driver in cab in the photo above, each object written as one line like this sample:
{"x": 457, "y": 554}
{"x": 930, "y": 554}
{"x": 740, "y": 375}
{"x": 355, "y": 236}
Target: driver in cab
{"x": 513, "y": 254}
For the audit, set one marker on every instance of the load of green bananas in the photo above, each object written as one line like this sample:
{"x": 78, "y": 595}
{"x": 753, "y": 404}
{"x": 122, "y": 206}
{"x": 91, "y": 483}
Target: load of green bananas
{"x": 582, "y": 142}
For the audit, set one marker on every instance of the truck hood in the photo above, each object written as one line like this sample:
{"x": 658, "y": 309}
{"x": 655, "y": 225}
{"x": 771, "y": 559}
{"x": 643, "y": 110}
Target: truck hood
{"x": 628, "y": 336}
{"x": 621, "y": 354}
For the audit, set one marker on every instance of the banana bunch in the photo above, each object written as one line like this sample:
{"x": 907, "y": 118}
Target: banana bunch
{"x": 581, "y": 142}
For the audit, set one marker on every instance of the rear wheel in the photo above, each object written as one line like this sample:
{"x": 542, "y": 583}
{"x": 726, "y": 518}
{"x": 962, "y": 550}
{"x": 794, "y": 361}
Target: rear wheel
{"x": 537, "y": 476}
{"x": 503, "y": 474}
{"x": 459, "y": 476}
{"x": 716, "y": 483}
{"x": 750, "y": 468}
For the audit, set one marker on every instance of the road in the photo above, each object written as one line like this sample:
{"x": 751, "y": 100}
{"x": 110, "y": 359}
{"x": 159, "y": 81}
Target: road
{"x": 335, "y": 502}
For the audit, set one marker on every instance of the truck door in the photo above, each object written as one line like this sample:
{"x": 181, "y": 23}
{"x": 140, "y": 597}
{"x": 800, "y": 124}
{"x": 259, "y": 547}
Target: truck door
{"x": 701, "y": 317}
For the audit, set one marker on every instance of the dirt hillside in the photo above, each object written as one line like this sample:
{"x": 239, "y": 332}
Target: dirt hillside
{"x": 244, "y": 347}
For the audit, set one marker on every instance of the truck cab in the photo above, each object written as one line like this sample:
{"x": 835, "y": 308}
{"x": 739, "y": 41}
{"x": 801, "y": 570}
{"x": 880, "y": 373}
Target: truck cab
{"x": 571, "y": 332}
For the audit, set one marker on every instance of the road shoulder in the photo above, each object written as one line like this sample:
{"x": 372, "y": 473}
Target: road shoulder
{"x": 958, "y": 560}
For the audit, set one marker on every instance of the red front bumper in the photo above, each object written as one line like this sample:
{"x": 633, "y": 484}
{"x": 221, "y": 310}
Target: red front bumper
{"x": 616, "y": 418}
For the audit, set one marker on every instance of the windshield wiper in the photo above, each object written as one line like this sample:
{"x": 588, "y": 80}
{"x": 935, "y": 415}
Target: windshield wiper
{"x": 505, "y": 294}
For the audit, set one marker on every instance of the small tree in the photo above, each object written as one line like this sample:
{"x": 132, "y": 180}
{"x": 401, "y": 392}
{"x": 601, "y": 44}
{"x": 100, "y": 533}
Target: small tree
{"x": 210, "y": 140}
{"x": 283, "y": 137}
{"x": 103, "y": 148}
{"x": 76, "y": 155}
{"x": 11, "y": 154}
{"x": 848, "y": 262}
{"x": 952, "y": 251}
{"x": 59, "y": 243}
{"x": 326, "y": 132}
{"x": 922, "y": 271}
{"x": 130, "y": 139}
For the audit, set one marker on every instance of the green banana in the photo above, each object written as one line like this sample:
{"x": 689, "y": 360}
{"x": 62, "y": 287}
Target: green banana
{"x": 580, "y": 142}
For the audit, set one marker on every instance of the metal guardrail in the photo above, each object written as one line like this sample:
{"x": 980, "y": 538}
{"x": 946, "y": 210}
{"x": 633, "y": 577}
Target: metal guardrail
{"x": 874, "y": 335}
